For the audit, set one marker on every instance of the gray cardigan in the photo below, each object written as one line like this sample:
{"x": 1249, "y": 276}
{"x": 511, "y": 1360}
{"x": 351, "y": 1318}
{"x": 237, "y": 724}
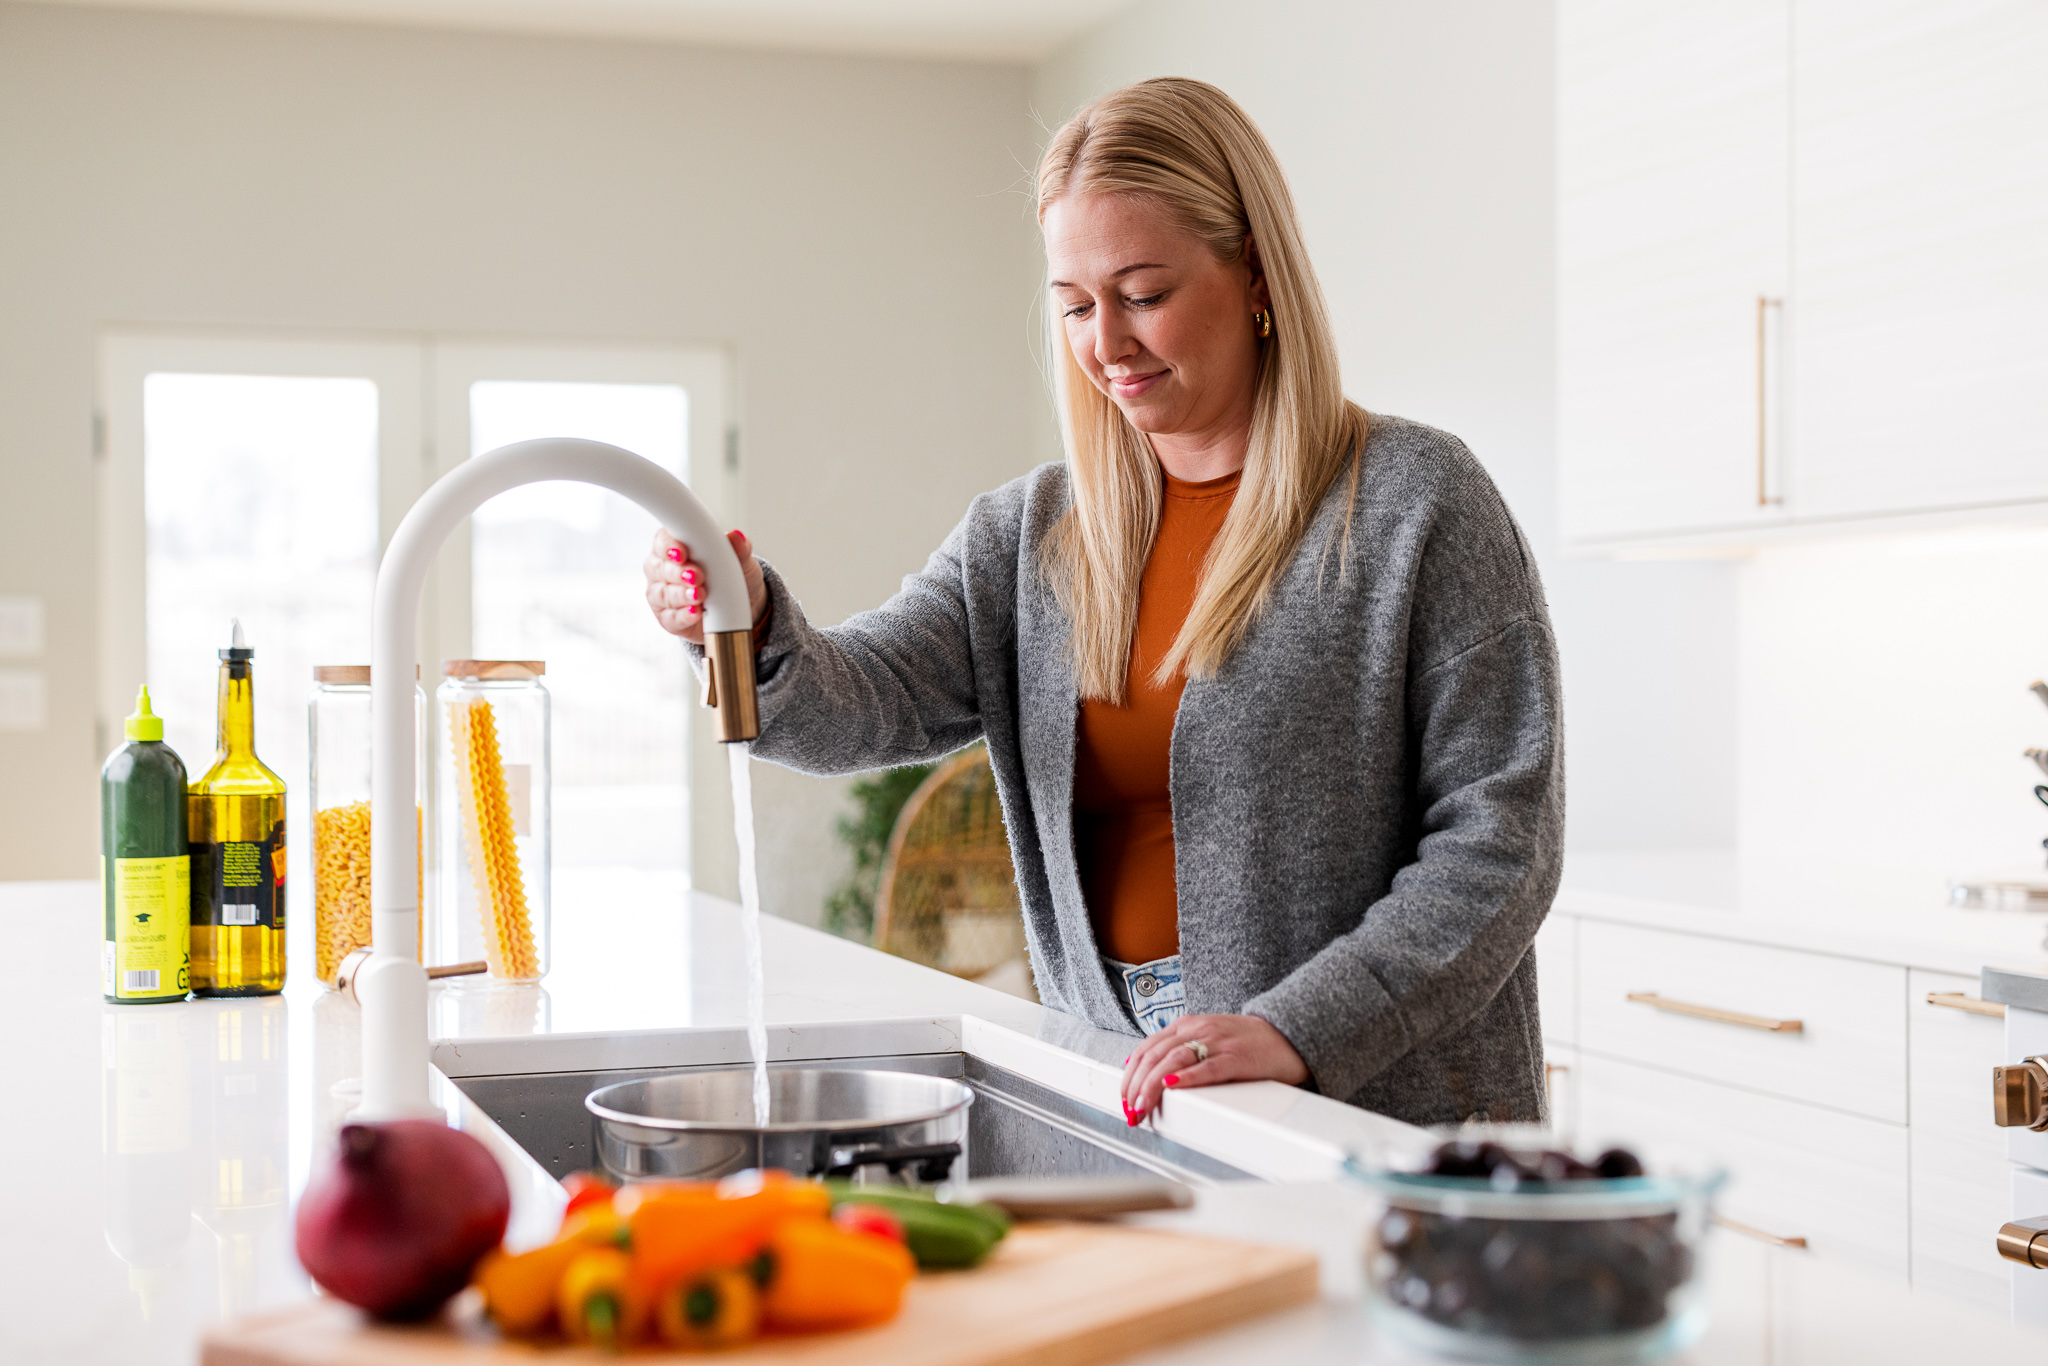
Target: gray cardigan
{"x": 1368, "y": 797}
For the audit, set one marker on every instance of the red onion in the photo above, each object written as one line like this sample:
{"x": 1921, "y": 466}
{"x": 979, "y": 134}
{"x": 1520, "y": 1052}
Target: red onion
{"x": 394, "y": 1221}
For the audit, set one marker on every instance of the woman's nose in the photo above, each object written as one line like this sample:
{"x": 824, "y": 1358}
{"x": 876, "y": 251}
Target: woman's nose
{"x": 1113, "y": 341}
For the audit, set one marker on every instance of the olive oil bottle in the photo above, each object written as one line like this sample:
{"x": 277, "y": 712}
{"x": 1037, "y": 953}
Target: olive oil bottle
{"x": 237, "y": 829}
{"x": 145, "y": 870}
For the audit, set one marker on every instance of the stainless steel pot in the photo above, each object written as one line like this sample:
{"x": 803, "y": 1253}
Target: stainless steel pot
{"x": 822, "y": 1121}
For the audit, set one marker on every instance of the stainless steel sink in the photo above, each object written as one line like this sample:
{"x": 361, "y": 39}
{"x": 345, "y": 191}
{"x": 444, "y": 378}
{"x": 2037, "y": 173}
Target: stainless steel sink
{"x": 1014, "y": 1128}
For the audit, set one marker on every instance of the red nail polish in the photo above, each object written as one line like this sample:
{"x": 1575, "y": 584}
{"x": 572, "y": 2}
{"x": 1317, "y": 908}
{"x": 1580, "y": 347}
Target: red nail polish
{"x": 675, "y": 552}
{"x": 1172, "y": 1079}
{"x": 1127, "y": 1060}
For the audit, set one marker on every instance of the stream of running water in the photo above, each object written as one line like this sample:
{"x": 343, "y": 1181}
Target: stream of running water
{"x": 741, "y": 756}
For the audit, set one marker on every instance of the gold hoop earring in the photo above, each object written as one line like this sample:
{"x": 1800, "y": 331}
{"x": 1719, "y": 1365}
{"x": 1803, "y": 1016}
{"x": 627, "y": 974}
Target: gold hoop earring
{"x": 1264, "y": 320}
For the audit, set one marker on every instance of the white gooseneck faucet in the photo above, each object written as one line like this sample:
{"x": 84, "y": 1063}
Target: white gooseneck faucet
{"x": 392, "y": 985}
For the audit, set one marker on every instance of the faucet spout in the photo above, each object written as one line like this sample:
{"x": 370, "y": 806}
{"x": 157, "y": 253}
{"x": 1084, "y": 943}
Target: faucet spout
{"x": 392, "y": 985}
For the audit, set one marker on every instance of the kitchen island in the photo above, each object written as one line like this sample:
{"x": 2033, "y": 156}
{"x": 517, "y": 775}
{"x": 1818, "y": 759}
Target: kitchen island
{"x": 158, "y": 1150}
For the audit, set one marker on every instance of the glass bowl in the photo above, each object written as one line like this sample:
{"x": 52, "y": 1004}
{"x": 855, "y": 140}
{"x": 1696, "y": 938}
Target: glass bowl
{"x": 1510, "y": 1268}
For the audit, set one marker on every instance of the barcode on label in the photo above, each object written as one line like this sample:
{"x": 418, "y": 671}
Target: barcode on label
{"x": 242, "y": 914}
{"x": 139, "y": 979}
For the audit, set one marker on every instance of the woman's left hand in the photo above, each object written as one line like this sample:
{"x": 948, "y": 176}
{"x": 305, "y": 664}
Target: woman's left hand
{"x": 1240, "y": 1048}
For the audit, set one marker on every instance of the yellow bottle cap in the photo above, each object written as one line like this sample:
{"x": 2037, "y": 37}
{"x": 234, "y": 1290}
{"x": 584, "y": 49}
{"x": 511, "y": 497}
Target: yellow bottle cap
{"x": 144, "y": 724}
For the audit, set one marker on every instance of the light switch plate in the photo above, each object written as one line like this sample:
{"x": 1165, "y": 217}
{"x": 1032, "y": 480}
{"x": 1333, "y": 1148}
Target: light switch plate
{"x": 24, "y": 699}
{"x": 21, "y": 626}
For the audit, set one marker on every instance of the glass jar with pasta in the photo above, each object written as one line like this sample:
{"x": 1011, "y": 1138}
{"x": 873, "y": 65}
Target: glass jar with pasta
{"x": 491, "y": 827}
{"x": 338, "y": 723}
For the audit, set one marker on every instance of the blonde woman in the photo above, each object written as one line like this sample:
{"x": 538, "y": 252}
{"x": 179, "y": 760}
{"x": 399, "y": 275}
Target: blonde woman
{"x": 1268, "y": 684}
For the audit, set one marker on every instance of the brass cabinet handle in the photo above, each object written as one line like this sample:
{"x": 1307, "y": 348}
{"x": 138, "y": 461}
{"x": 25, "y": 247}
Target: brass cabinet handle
{"x": 1963, "y": 1001}
{"x": 1764, "y": 305}
{"x": 1734, "y": 1017}
{"x": 1762, "y": 1237}
{"x": 2021, "y": 1241}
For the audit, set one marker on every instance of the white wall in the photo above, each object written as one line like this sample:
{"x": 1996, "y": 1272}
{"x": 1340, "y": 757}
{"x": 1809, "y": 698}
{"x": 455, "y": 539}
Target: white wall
{"x": 1884, "y": 710}
{"x": 1419, "y": 140}
{"x": 851, "y": 227}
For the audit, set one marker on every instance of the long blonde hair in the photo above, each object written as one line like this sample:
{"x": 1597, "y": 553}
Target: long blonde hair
{"x": 1189, "y": 148}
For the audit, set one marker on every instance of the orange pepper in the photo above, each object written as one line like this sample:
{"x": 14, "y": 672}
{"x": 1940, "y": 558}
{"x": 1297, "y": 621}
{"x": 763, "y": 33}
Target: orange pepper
{"x": 519, "y": 1288}
{"x": 823, "y": 1276}
{"x": 681, "y": 1233}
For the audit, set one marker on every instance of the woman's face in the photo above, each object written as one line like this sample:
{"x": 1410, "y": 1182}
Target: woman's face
{"x": 1154, "y": 319}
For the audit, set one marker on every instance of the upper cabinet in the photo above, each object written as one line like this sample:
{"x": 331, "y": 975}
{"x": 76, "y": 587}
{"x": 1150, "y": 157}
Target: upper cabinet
{"x": 1803, "y": 263}
{"x": 1920, "y": 251}
{"x": 1673, "y": 205}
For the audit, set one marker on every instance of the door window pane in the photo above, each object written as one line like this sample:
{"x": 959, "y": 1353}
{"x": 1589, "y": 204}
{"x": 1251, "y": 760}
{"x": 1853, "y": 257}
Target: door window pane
{"x": 260, "y": 503}
{"x": 555, "y": 576}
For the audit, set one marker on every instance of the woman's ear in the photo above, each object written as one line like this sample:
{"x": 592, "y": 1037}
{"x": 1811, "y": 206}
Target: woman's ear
{"x": 1261, "y": 297}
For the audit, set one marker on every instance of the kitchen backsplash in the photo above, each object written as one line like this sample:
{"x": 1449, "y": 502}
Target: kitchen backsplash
{"x": 1883, "y": 708}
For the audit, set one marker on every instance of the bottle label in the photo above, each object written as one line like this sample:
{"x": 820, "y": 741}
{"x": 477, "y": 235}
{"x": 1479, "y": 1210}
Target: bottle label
{"x": 243, "y": 882}
{"x": 150, "y": 953}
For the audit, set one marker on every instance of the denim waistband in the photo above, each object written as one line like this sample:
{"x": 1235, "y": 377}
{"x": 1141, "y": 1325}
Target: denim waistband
{"x": 1152, "y": 991}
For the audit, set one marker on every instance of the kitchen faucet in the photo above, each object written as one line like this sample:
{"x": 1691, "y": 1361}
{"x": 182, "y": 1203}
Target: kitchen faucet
{"x": 392, "y": 985}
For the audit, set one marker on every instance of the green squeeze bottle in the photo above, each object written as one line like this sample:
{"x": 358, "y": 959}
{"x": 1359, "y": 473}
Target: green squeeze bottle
{"x": 145, "y": 867}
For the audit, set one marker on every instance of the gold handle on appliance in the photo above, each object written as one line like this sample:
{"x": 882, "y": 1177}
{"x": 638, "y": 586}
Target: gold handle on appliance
{"x": 1963, "y": 1001}
{"x": 2021, "y": 1241}
{"x": 1764, "y": 305}
{"x": 2019, "y": 1095}
{"x": 1734, "y": 1017}
{"x": 1775, "y": 1240}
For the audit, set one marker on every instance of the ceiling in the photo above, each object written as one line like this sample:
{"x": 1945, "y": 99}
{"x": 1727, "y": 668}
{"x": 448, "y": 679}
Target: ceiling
{"x": 987, "y": 30}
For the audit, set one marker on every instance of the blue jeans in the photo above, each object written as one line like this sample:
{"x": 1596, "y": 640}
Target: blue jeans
{"x": 1151, "y": 990}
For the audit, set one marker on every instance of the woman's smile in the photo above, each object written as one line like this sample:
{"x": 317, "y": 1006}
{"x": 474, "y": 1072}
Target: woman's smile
{"x": 1128, "y": 387}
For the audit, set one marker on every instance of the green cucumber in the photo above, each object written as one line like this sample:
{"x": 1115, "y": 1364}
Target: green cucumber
{"x": 937, "y": 1235}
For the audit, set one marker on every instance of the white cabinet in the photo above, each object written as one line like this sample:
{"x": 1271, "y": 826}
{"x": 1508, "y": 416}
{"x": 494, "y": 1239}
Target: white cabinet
{"x": 1867, "y": 1133}
{"x": 1879, "y": 166}
{"x": 1796, "y": 1171}
{"x": 1960, "y": 1176}
{"x": 1920, "y": 217}
{"x": 1701, "y": 1007}
{"x": 1557, "y": 979}
{"x": 1673, "y": 195}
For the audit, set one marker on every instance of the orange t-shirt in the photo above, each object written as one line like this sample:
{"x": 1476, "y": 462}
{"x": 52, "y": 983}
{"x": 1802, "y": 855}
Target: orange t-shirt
{"x": 1123, "y": 808}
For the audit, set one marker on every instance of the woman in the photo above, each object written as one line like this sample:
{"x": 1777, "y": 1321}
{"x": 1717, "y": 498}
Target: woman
{"x": 1268, "y": 685}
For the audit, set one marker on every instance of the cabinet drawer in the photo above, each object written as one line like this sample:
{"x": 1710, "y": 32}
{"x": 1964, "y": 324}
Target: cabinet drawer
{"x": 1848, "y": 1050}
{"x": 1557, "y": 978}
{"x": 1953, "y": 1052}
{"x": 1960, "y": 1197}
{"x": 1795, "y": 1171}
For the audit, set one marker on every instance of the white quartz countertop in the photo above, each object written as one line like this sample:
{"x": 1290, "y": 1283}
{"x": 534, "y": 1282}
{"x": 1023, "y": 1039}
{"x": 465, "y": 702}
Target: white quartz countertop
{"x": 1905, "y": 924}
{"x": 157, "y": 1151}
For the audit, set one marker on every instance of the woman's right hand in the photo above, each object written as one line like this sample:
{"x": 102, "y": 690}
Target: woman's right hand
{"x": 677, "y": 586}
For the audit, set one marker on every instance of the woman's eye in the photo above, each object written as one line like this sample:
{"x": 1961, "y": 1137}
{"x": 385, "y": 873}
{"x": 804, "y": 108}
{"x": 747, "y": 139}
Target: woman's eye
{"x": 1077, "y": 310}
{"x": 1147, "y": 301}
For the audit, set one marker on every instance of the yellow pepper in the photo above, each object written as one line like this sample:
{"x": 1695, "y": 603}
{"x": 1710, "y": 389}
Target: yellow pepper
{"x": 598, "y": 1301}
{"x": 823, "y": 1276}
{"x": 718, "y": 1310}
{"x": 519, "y": 1288}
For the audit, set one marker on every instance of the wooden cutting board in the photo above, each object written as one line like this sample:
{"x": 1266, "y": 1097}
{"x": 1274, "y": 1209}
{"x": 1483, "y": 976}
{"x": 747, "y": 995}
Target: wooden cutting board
{"x": 1051, "y": 1295}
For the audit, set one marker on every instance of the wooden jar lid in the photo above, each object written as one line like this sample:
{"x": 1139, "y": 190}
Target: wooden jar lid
{"x": 494, "y": 668}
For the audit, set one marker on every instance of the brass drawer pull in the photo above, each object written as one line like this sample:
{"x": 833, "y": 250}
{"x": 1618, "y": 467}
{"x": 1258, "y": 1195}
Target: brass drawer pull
{"x": 1963, "y": 1001}
{"x": 1762, "y": 1237}
{"x": 1734, "y": 1017}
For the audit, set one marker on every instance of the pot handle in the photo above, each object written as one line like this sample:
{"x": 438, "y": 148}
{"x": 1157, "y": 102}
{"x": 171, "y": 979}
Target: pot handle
{"x": 934, "y": 1161}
